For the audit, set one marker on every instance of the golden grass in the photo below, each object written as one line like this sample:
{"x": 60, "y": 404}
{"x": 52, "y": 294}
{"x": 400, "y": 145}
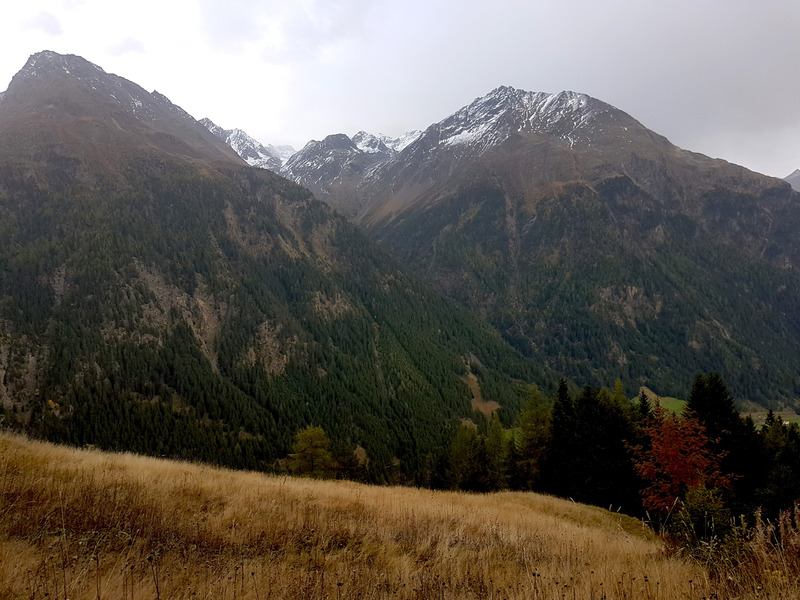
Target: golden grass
{"x": 84, "y": 524}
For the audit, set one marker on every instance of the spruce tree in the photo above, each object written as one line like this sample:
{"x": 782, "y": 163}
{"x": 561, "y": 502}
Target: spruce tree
{"x": 531, "y": 439}
{"x": 558, "y": 464}
{"x": 311, "y": 456}
{"x": 730, "y": 437}
{"x": 645, "y": 407}
{"x": 712, "y": 405}
{"x": 497, "y": 455}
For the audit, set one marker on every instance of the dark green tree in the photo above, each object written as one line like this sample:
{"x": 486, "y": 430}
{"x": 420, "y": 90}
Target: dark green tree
{"x": 531, "y": 438}
{"x": 468, "y": 461}
{"x": 563, "y": 453}
{"x": 780, "y": 488}
{"x": 589, "y": 458}
{"x": 645, "y": 407}
{"x": 712, "y": 405}
{"x": 498, "y": 453}
{"x": 310, "y": 455}
{"x": 730, "y": 436}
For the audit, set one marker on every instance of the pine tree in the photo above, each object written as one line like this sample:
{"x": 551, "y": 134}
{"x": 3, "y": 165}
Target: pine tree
{"x": 530, "y": 440}
{"x": 588, "y": 458}
{"x": 468, "y": 463}
{"x": 712, "y": 405}
{"x": 780, "y": 488}
{"x": 564, "y": 448}
{"x": 645, "y": 407}
{"x": 310, "y": 454}
{"x": 497, "y": 455}
{"x": 729, "y": 436}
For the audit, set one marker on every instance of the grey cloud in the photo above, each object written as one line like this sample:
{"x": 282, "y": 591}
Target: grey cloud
{"x": 284, "y": 31}
{"x": 126, "y": 46}
{"x": 715, "y": 77}
{"x": 47, "y": 23}
{"x": 230, "y": 24}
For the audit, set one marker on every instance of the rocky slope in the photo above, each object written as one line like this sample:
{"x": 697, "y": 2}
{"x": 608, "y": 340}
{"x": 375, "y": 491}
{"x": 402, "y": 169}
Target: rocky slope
{"x": 254, "y": 152}
{"x": 337, "y": 168}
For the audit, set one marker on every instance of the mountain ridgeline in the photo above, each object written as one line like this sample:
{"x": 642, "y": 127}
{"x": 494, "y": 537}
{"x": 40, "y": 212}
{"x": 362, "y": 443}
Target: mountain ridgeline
{"x": 595, "y": 246}
{"x": 157, "y": 294}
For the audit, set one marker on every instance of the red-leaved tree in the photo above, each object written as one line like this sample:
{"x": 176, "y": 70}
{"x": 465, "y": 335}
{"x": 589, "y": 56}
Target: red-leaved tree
{"x": 675, "y": 458}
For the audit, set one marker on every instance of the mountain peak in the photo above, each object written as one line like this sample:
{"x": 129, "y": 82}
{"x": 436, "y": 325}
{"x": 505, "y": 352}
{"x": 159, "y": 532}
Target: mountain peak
{"x": 794, "y": 179}
{"x": 66, "y": 100}
{"x": 48, "y": 63}
{"x": 491, "y": 119}
{"x": 251, "y": 150}
{"x": 369, "y": 143}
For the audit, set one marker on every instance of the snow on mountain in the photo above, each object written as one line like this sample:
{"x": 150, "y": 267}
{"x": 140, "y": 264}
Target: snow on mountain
{"x": 254, "y": 152}
{"x": 348, "y": 172}
{"x": 491, "y": 119}
{"x": 371, "y": 144}
{"x": 399, "y": 144}
{"x": 338, "y": 158}
{"x": 145, "y": 106}
{"x": 321, "y": 162}
{"x": 284, "y": 151}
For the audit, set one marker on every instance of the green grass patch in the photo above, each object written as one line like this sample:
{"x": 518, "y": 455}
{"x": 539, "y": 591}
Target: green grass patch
{"x": 674, "y": 405}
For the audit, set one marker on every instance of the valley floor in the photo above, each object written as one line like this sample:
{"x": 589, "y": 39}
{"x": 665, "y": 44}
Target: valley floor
{"x": 85, "y": 524}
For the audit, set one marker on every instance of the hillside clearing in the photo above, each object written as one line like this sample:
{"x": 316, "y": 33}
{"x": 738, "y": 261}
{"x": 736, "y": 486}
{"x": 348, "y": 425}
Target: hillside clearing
{"x": 85, "y": 524}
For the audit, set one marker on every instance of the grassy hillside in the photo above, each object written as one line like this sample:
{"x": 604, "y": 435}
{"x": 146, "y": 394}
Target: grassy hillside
{"x": 84, "y": 524}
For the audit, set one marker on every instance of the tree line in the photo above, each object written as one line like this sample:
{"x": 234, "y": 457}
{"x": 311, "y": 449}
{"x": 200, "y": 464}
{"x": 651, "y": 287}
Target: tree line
{"x": 690, "y": 472}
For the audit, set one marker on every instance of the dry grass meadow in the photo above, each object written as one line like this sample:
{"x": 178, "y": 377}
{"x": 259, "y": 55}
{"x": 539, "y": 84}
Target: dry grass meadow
{"x": 84, "y": 524}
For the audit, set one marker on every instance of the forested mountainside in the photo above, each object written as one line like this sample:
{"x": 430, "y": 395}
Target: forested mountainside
{"x": 594, "y": 245}
{"x": 159, "y": 295}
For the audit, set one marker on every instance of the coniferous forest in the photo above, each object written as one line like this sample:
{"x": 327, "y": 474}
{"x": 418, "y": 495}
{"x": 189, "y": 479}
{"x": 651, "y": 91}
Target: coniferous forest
{"x": 695, "y": 471}
{"x": 172, "y": 315}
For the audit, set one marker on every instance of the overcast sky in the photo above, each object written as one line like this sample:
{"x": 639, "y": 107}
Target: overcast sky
{"x": 721, "y": 77}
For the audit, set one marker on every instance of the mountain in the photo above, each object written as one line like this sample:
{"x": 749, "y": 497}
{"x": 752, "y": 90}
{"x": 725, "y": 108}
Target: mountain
{"x": 394, "y": 145}
{"x": 794, "y": 179}
{"x": 255, "y": 153}
{"x": 593, "y": 244}
{"x": 64, "y": 105}
{"x": 158, "y": 294}
{"x": 335, "y": 168}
